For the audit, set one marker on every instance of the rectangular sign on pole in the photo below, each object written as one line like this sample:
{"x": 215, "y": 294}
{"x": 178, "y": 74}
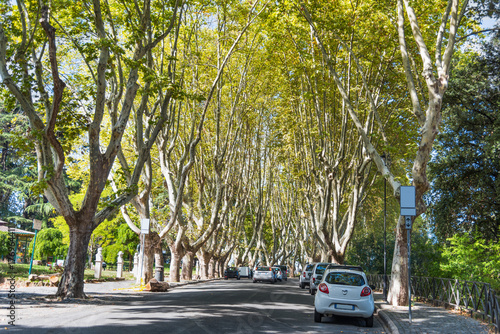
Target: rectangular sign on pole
{"x": 145, "y": 226}
{"x": 407, "y": 201}
{"x": 37, "y": 224}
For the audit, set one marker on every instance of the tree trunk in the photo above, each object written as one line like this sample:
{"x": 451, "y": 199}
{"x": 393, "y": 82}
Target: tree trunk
{"x": 187, "y": 266}
{"x": 204, "y": 258}
{"x": 211, "y": 268}
{"x": 220, "y": 268}
{"x": 148, "y": 262}
{"x": 398, "y": 289}
{"x": 71, "y": 285}
{"x": 159, "y": 260}
{"x": 177, "y": 253}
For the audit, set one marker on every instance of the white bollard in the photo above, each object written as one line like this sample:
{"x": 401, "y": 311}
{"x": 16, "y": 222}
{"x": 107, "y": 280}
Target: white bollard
{"x": 98, "y": 263}
{"x": 136, "y": 265}
{"x": 119, "y": 265}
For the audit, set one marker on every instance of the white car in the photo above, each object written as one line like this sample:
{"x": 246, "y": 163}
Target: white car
{"x": 264, "y": 274}
{"x": 344, "y": 292}
{"x": 317, "y": 275}
{"x": 305, "y": 276}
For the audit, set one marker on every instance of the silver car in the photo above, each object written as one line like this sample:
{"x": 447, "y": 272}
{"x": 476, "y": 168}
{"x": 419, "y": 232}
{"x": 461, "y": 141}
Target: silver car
{"x": 263, "y": 274}
{"x": 305, "y": 276}
{"x": 317, "y": 275}
{"x": 344, "y": 292}
{"x": 279, "y": 273}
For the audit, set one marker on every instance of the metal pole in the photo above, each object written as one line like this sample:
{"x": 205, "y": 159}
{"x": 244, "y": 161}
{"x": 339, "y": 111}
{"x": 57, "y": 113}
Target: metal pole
{"x": 385, "y": 239}
{"x": 33, "y": 252}
{"x": 409, "y": 275}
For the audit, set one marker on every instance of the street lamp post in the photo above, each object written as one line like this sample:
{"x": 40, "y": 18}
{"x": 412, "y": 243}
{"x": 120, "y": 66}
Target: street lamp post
{"x": 384, "y": 157}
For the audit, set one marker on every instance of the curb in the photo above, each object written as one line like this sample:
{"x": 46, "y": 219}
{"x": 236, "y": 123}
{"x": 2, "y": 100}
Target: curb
{"x": 387, "y": 321}
{"x": 178, "y": 284}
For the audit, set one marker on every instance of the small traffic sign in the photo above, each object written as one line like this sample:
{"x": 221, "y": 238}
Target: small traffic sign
{"x": 408, "y": 222}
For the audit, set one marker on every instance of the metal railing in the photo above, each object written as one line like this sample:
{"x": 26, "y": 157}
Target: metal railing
{"x": 473, "y": 297}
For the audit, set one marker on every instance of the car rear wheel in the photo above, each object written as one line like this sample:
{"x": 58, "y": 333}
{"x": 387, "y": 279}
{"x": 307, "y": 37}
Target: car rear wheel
{"x": 369, "y": 321}
{"x": 317, "y": 316}
{"x": 238, "y": 278}
{"x": 302, "y": 285}
{"x": 312, "y": 292}
{"x": 254, "y": 281}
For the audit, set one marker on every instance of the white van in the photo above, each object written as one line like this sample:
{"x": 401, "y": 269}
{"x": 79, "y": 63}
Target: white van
{"x": 245, "y": 272}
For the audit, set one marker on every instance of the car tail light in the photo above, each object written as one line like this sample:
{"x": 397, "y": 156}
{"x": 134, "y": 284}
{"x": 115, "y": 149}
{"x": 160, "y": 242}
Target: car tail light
{"x": 323, "y": 288}
{"x": 314, "y": 279}
{"x": 366, "y": 292}
{"x": 304, "y": 274}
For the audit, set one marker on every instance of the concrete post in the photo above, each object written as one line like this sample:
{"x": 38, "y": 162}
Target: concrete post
{"x": 119, "y": 265}
{"x": 136, "y": 265}
{"x": 98, "y": 263}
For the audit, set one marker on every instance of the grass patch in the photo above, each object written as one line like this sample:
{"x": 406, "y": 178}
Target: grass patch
{"x": 21, "y": 272}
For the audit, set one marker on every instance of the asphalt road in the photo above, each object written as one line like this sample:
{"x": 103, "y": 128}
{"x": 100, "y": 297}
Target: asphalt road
{"x": 208, "y": 308}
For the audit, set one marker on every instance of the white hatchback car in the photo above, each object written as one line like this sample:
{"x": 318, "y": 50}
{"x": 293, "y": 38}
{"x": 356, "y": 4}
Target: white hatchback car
{"x": 344, "y": 292}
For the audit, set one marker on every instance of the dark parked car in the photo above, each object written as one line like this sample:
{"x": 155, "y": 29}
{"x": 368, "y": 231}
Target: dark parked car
{"x": 231, "y": 272}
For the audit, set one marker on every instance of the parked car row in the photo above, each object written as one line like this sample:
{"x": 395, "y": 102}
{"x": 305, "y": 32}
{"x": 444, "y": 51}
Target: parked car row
{"x": 270, "y": 274}
{"x": 340, "y": 290}
{"x": 238, "y": 273}
{"x": 259, "y": 274}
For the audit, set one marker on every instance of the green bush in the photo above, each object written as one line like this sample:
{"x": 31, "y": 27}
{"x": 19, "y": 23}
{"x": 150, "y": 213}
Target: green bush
{"x": 472, "y": 258}
{"x": 4, "y": 243}
{"x": 49, "y": 242}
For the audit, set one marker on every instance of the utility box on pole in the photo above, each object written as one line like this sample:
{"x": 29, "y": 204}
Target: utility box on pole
{"x": 408, "y": 210}
{"x": 407, "y": 201}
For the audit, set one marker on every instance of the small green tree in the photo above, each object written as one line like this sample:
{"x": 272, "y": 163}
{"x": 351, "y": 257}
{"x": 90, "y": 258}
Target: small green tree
{"x": 125, "y": 240}
{"x": 49, "y": 242}
{"x": 4, "y": 243}
{"x": 473, "y": 258}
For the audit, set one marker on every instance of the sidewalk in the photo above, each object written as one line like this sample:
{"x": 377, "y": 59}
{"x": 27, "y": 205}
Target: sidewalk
{"x": 426, "y": 319}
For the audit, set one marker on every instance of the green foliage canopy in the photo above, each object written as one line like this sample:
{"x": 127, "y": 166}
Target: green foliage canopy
{"x": 472, "y": 258}
{"x": 466, "y": 167}
{"x": 49, "y": 242}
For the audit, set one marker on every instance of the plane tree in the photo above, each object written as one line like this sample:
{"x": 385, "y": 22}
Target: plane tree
{"x": 425, "y": 91}
{"x": 93, "y": 73}
{"x": 328, "y": 158}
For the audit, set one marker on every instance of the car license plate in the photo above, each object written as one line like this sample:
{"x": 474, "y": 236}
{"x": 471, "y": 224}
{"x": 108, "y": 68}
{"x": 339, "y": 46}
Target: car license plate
{"x": 344, "y": 307}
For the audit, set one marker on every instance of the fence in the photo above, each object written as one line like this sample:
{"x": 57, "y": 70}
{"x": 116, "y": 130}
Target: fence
{"x": 112, "y": 267}
{"x": 473, "y": 297}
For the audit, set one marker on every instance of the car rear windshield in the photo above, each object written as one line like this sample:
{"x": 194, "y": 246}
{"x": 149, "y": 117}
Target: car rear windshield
{"x": 231, "y": 268}
{"x": 263, "y": 268}
{"x": 309, "y": 267}
{"x": 320, "y": 268}
{"x": 345, "y": 279}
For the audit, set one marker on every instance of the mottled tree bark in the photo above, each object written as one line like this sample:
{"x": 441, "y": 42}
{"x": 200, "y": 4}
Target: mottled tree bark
{"x": 71, "y": 284}
{"x": 187, "y": 266}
